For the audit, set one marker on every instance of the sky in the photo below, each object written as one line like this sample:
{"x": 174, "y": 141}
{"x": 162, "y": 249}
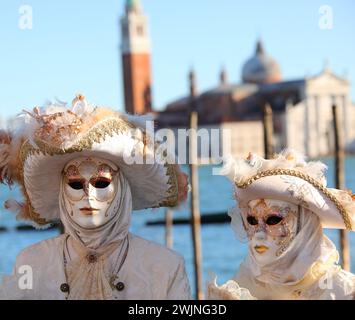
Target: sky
{"x": 73, "y": 46}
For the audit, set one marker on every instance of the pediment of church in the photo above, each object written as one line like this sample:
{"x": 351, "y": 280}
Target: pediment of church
{"x": 327, "y": 82}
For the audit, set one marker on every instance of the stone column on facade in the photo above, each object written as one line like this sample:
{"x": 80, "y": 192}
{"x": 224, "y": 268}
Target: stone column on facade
{"x": 306, "y": 127}
{"x": 286, "y": 123}
{"x": 317, "y": 126}
{"x": 345, "y": 104}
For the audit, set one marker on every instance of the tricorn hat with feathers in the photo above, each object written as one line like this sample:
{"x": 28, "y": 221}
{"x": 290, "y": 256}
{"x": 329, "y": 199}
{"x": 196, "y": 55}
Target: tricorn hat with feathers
{"x": 34, "y": 153}
{"x": 288, "y": 177}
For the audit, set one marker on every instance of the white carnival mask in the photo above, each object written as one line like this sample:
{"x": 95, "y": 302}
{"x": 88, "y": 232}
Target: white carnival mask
{"x": 90, "y": 186}
{"x": 271, "y": 225}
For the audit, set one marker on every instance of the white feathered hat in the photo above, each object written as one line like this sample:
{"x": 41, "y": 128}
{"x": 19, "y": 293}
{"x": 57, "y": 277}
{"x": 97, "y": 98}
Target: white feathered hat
{"x": 288, "y": 177}
{"x": 43, "y": 141}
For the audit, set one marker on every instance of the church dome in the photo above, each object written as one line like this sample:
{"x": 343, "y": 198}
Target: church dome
{"x": 261, "y": 68}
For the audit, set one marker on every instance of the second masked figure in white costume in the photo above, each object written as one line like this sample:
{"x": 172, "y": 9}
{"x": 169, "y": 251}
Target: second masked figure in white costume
{"x": 283, "y": 206}
{"x": 75, "y": 165}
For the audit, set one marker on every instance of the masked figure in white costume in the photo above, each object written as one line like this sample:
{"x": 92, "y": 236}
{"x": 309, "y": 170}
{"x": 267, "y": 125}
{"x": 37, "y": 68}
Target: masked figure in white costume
{"x": 283, "y": 204}
{"x": 76, "y": 165}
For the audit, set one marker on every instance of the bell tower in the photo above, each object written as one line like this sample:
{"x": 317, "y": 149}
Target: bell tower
{"x": 135, "y": 49}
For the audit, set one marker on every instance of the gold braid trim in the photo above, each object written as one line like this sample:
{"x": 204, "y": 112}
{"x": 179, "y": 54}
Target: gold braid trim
{"x": 173, "y": 192}
{"x": 309, "y": 179}
{"x": 96, "y": 134}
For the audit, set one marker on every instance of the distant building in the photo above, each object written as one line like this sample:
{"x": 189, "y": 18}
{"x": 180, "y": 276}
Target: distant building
{"x": 135, "y": 49}
{"x": 308, "y": 124}
{"x": 301, "y": 108}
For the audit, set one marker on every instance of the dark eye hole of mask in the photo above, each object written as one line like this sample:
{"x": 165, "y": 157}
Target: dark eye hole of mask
{"x": 76, "y": 184}
{"x": 100, "y": 183}
{"x": 252, "y": 220}
{"x": 273, "y": 220}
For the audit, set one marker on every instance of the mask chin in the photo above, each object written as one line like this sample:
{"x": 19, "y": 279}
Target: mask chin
{"x": 265, "y": 248}
{"x": 87, "y": 219}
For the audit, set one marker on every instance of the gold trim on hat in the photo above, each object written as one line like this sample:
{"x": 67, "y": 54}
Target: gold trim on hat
{"x": 309, "y": 179}
{"x": 172, "y": 198}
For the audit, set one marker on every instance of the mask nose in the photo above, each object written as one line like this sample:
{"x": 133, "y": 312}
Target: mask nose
{"x": 90, "y": 192}
{"x": 260, "y": 234}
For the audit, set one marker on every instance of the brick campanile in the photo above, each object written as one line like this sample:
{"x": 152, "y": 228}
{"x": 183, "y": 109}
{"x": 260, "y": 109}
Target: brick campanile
{"x": 135, "y": 50}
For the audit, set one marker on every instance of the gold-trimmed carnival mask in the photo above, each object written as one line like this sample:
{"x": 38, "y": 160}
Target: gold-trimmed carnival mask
{"x": 271, "y": 225}
{"x": 90, "y": 186}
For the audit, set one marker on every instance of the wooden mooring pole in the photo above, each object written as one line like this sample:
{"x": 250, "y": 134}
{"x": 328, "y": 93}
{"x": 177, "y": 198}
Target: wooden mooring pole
{"x": 268, "y": 131}
{"x": 169, "y": 228}
{"x": 340, "y": 182}
{"x": 195, "y": 207}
